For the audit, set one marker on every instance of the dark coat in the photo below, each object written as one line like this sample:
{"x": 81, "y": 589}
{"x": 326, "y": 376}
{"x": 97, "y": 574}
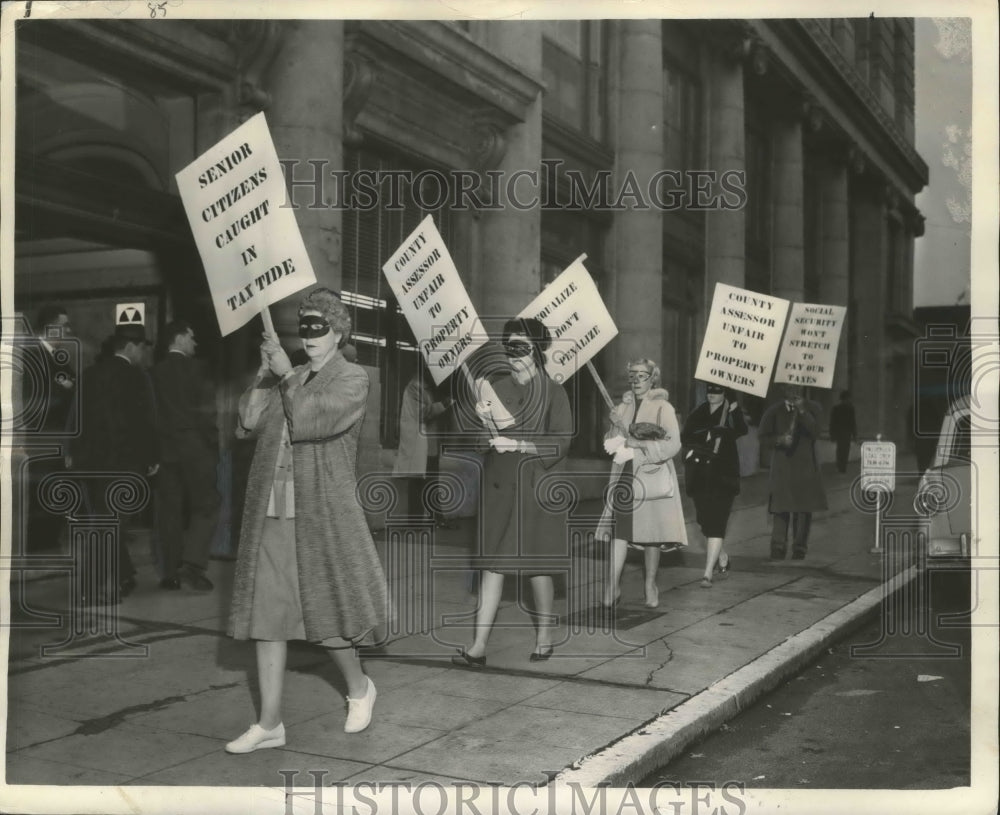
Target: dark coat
{"x": 700, "y": 432}
{"x": 521, "y": 530}
{"x": 796, "y": 485}
{"x": 44, "y": 388}
{"x": 185, "y": 402}
{"x": 118, "y": 421}
{"x": 341, "y": 583}
{"x": 843, "y": 424}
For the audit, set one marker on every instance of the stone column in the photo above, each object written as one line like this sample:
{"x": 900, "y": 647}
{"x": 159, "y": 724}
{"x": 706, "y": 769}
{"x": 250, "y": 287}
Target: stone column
{"x": 725, "y": 230}
{"x": 867, "y": 280}
{"x": 788, "y": 251}
{"x": 637, "y": 236}
{"x": 511, "y": 238}
{"x": 835, "y": 253}
{"x": 305, "y": 115}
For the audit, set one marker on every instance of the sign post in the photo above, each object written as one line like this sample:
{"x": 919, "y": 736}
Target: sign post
{"x": 878, "y": 476}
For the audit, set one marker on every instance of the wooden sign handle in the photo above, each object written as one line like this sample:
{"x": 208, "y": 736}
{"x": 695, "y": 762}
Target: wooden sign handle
{"x": 265, "y": 315}
{"x": 600, "y": 385}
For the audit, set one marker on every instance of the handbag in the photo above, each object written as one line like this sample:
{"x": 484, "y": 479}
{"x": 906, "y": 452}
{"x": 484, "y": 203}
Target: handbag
{"x": 656, "y": 479}
{"x": 699, "y": 463}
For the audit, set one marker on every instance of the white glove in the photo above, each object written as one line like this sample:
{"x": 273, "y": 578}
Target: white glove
{"x": 503, "y": 445}
{"x": 624, "y": 454}
{"x": 612, "y": 445}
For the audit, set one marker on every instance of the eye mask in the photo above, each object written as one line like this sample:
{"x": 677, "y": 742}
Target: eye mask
{"x": 312, "y": 327}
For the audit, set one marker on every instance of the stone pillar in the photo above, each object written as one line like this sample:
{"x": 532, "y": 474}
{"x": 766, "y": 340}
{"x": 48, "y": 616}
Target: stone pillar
{"x": 788, "y": 251}
{"x": 511, "y": 238}
{"x": 725, "y": 230}
{"x": 305, "y": 115}
{"x": 867, "y": 280}
{"x": 835, "y": 254}
{"x": 637, "y": 236}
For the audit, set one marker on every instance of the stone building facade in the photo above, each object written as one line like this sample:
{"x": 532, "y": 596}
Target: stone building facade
{"x": 813, "y": 120}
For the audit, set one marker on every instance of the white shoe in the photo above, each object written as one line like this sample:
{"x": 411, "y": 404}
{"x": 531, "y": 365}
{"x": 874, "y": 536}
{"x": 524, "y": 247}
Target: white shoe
{"x": 257, "y": 738}
{"x": 359, "y": 711}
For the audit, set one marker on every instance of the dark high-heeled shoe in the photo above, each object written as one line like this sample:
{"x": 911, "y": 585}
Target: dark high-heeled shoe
{"x": 464, "y": 660}
{"x": 724, "y": 570}
{"x": 541, "y": 657}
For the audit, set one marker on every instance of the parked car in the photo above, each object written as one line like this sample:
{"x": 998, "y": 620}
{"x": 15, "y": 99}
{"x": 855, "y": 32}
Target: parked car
{"x": 946, "y": 488}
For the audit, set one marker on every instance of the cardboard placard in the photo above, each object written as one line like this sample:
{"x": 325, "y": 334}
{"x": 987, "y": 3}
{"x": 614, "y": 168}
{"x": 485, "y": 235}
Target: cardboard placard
{"x": 572, "y": 309}
{"x": 741, "y": 339}
{"x": 434, "y": 301}
{"x": 808, "y": 352}
{"x": 249, "y": 242}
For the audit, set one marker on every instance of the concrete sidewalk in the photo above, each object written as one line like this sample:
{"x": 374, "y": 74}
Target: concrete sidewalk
{"x": 622, "y": 693}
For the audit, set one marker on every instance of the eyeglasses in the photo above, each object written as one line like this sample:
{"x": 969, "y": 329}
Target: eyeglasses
{"x": 517, "y": 349}
{"x": 638, "y": 376}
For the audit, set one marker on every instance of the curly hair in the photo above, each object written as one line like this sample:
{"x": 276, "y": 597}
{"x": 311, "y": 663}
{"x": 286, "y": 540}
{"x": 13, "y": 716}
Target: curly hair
{"x": 651, "y": 367}
{"x": 328, "y": 303}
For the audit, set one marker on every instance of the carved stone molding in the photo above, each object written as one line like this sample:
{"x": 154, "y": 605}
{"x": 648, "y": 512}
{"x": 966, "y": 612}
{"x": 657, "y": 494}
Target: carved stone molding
{"x": 360, "y": 74}
{"x": 856, "y": 161}
{"x": 488, "y": 139}
{"x": 256, "y": 43}
{"x": 813, "y": 115}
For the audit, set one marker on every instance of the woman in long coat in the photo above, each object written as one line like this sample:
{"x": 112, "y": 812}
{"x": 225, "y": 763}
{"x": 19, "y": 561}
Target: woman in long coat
{"x": 649, "y": 518}
{"x": 307, "y": 567}
{"x": 521, "y": 535}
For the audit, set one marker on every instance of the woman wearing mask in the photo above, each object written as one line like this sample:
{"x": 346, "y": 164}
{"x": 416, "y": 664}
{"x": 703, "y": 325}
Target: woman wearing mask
{"x": 643, "y": 439}
{"x": 712, "y": 470}
{"x": 529, "y": 435}
{"x": 307, "y": 566}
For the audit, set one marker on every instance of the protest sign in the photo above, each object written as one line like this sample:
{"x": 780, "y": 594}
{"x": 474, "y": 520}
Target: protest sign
{"x": 434, "y": 301}
{"x": 572, "y": 309}
{"x": 249, "y": 242}
{"x": 741, "y": 339}
{"x": 808, "y": 352}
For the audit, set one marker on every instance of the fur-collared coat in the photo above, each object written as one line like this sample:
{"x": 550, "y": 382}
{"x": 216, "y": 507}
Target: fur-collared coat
{"x": 654, "y": 520}
{"x": 341, "y": 582}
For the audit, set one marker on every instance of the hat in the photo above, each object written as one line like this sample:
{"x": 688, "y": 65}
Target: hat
{"x": 132, "y": 333}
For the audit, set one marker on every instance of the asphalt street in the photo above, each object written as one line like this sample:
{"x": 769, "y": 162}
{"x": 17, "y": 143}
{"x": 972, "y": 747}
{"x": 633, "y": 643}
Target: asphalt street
{"x": 878, "y": 706}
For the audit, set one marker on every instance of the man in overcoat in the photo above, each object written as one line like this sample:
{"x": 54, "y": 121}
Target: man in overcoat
{"x": 118, "y": 435}
{"x": 189, "y": 444}
{"x": 789, "y": 428}
{"x": 44, "y": 393}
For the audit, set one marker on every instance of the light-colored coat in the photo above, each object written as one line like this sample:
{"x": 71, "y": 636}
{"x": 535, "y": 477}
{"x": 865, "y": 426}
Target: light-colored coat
{"x": 654, "y": 520}
{"x": 341, "y": 582}
{"x": 417, "y": 410}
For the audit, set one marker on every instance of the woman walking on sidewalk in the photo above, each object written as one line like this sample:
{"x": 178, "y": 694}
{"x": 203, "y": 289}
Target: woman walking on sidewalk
{"x": 307, "y": 567}
{"x": 520, "y": 535}
{"x": 643, "y": 439}
{"x": 712, "y": 470}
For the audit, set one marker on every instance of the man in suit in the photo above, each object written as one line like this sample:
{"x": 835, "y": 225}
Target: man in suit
{"x": 189, "y": 441}
{"x": 118, "y": 433}
{"x": 790, "y": 428}
{"x": 843, "y": 428}
{"x": 46, "y": 392}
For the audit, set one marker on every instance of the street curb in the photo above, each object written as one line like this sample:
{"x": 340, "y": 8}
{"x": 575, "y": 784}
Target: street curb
{"x": 653, "y": 745}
